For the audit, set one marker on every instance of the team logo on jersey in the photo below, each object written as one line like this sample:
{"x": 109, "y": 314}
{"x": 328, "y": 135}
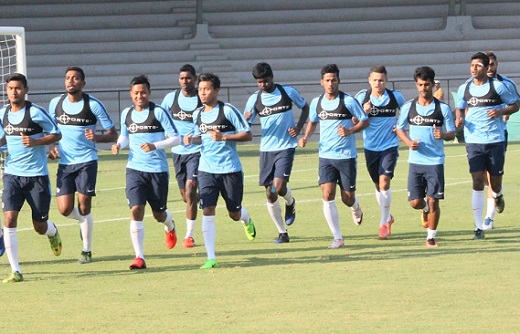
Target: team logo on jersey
{"x": 270, "y": 110}
{"x": 134, "y": 127}
{"x": 475, "y": 101}
{"x": 204, "y": 128}
{"x": 418, "y": 120}
{"x": 182, "y": 115}
{"x": 64, "y": 119}
{"x": 376, "y": 111}
{"x": 324, "y": 115}
{"x": 9, "y": 129}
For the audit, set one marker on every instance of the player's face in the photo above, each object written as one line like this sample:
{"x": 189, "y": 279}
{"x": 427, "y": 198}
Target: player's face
{"x": 330, "y": 83}
{"x": 424, "y": 88}
{"x": 265, "y": 84}
{"x": 140, "y": 95}
{"x": 187, "y": 82}
{"x": 477, "y": 69}
{"x": 377, "y": 82}
{"x": 16, "y": 92}
{"x": 492, "y": 70}
{"x": 207, "y": 94}
{"x": 73, "y": 82}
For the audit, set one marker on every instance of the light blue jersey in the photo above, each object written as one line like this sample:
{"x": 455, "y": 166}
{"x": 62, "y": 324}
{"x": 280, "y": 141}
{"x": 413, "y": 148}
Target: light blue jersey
{"x": 479, "y": 128}
{"x": 219, "y": 157}
{"x": 331, "y": 115}
{"x": 183, "y": 117}
{"x": 142, "y": 127}
{"x": 431, "y": 150}
{"x": 74, "y": 147}
{"x": 380, "y": 135}
{"x": 275, "y": 123}
{"x": 21, "y": 160}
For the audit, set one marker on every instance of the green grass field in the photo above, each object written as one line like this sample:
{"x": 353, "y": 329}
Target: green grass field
{"x": 370, "y": 286}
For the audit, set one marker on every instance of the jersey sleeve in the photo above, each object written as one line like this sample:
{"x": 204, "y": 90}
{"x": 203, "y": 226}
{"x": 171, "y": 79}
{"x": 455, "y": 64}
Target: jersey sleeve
{"x": 99, "y": 110}
{"x": 447, "y": 113}
{"x": 313, "y": 111}
{"x": 402, "y": 121}
{"x": 166, "y": 121}
{"x": 295, "y": 96}
{"x": 124, "y": 130}
{"x": 167, "y": 102}
{"x": 355, "y": 108}
{"x": 236, "y": 118}
{"x": 250, "y": 107}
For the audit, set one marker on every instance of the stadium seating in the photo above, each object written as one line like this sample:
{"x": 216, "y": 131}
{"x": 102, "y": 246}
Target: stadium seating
{"x": 117, "y": 39}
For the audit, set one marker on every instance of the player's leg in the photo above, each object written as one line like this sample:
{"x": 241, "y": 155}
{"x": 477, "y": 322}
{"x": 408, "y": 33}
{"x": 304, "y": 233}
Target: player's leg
{"x": 477, "y": 168}
{"x": 157, "y": 198}
{"x": 12, "y": 200}
{"x": 191, "y": 197}
{"x": 347, "y": 182}
{"x": 266, "y": 179}
{"x": 495, "y": 154}
{"x": 282, "y": 171}
{"x": 434, "y": 176}
{"x": 417, "y": 192}
{"x": 136, "y": 194}
{"x": 209, "y": 192}
{"x": 328, "y": 177}
{"x": 490, "y": 206}
{"x": 232, "y": 190}
{"x": 85, "y": 185}
{"x": 386, "y": 168}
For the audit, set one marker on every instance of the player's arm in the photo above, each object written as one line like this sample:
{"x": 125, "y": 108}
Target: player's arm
{"x": 109, "y": 136}
{"x": 295, "y": 131}
{"x": 216, "y": 135}
{"x": 309, "y": 131}
{"x": 358, "y": 113}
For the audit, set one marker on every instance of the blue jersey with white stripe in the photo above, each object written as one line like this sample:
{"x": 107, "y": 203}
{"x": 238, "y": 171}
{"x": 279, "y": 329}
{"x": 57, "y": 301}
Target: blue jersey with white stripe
{"x": 22, "y": 160}
{"x": 219, "y": 157}
{"x": 431, "y": 150}
{"x": 183, "y": 123}
{"x": 74, "y": 147}
{"x": 332, "y": 145}
{"x": 380, "y": 134}
{"x": 275, "y": 135}
{"x": 154, "y": 161}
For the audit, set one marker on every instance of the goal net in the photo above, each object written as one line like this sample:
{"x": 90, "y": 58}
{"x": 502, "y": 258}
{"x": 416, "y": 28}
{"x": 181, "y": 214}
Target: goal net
{"x": 12, "y": 56}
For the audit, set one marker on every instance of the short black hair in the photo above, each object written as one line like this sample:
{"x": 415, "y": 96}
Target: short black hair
{"x": 424, "y": 73}
{"x": 330, "y": 68}
{"x": 215, "y": 80}
{"x": 77, "y": 69}
{"x": 188, "y": 68}
{"x": 378, "y": 69}
{"x": 140, "y": 80}
{"x": 262, "y": 70}
{"x": 491, "y": 55}
{"x": 482, "y": 56}
{"x": 17, "y": 77}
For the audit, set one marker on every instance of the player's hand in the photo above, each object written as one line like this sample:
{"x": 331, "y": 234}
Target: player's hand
{"x": 459, "y": 122}
{"x": 367, "y": 107}
{"x": 115, "y": 149}
{"x": 90, "y": 135}
{"x": 343, "y": 131}
{"x": 302, "y": 142}
{"x": 293, "y": 131}
{"x": 54, "y": 153}
{"x": 437, "y": 132}
{"x": 248, "y": 114}
{"x": 355, "y": 120}
{"x": 27, "y": 141}
{"x": 415, "y": 144}
{"x": 216, "y": 135}
{"x": 147, "y": 147}
{"x": 494, "y": 113}
{"x": 186, "y": 140}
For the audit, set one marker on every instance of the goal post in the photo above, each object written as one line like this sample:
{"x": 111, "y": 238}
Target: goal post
{"x": 12, "y": 55}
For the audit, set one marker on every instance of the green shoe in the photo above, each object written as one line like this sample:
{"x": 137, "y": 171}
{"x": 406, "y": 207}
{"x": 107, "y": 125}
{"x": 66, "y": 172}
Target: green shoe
{"x": 209, "y": 264}
{"x": 85, "y": 257}
{"x": 15, "y": 277}
{"x": 56, "y": 243}
{"x": 250, "y": 230}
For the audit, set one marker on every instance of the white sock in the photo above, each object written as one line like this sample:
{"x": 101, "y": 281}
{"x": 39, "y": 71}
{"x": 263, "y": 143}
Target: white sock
{"x": 11, "y": 248}
{"x": 190, "y": 227}
{"x": 386, "y": 201}
{"x": 490, "y": 208}
{"x": 477, "y": 203}
{"x": 74, "y": 214}
{"x": 137, "y": 236}
{"x": 330, "y": 211}
{"x": 355, "y": 206}
{"x": 289, "y": 200}
{"x": 244, "y": 216}
{"x": 495, "y": 195}
{"x": 51, "y": 229}
{"x": 431, "y": 234}
{"x": 86, "y": 226}
{"x": 275, "y": 211}
{"x": 209, "y": 232}
{"x": 168, "y": 222}
{"x": 378, "y": 197}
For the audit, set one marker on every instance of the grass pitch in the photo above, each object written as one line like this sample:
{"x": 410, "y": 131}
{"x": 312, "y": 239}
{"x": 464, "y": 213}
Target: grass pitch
{"x": 369, "y": 286}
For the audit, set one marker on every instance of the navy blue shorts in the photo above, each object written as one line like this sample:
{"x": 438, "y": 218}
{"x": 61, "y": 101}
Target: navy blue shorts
{"x": 340, "y": 171}
{"x": 186, "y": 168}
{"x": 230, "y": 186}
{"x": 142, "y": 187}
{"x": 78, "y": 177}
{"x": 276, "y": 164}
{"x": 381, "y": 163}
{"x": 425, "y": 180}
{"x": 486, "y": 157}
{"x": 36, "y": 190}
